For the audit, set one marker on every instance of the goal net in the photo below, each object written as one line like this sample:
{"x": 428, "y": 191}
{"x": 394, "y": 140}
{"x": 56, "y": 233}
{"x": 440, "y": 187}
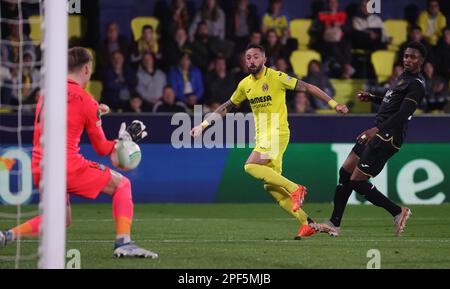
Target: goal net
{"x": 33, "y": 63}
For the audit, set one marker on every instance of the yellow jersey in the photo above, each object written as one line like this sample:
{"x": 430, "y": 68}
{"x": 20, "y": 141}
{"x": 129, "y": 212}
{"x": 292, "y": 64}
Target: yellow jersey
{"x": 267, "y": 97}
{"x": 279, "y": 23}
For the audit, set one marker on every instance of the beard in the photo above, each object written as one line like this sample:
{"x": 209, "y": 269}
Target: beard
{"x": 254, "y": 69}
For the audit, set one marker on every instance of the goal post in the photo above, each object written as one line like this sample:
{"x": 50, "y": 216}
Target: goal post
{"x": 53, "y": 232}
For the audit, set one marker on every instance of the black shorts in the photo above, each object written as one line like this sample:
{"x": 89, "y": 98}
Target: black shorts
{"x": 374, "y": 155}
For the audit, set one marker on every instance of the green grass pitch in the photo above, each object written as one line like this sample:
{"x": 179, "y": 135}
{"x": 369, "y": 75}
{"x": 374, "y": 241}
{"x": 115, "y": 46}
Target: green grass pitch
{"x": 251, "y": 236}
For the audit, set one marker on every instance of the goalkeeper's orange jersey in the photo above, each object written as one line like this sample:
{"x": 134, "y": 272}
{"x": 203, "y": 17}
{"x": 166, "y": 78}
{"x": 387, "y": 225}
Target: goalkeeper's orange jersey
{"x": 82, "y": 113}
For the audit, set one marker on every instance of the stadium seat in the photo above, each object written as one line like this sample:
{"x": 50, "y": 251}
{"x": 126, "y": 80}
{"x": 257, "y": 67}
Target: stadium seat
{"x": 326, "y": 111}
{"x": 75, "y": 29}
{"x": 398, "y": 30}
{"x": 138, "y": 22}
{"x": 346, "y": 90}
{"x": 35, "y": 29}
{"x": 93, "y": 58}
{"x": 300, "y": 60}
{"x": 75, "y": 26}
{"x": 299, "y": 30}
{"x": 383, "y": 61}
{"x": 95, "y": 88}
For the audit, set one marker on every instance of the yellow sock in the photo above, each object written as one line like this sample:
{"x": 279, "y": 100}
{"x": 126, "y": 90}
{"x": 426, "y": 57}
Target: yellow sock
{"x": 269, "y": 176}
{"x": 285, "y": 201}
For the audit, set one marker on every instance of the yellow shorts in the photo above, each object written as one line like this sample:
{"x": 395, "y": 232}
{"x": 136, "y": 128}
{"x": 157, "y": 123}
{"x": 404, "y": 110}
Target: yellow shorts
{"x": 273, "y": 150}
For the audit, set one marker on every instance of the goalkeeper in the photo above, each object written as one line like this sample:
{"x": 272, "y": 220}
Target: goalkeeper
{"x": 85, "y": 178}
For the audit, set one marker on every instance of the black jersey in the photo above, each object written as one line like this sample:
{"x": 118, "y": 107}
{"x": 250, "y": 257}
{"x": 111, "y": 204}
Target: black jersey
{"x": 398, "y": 106}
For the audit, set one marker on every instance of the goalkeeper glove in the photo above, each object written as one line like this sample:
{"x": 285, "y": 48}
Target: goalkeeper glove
{"x": 135, "y": 132}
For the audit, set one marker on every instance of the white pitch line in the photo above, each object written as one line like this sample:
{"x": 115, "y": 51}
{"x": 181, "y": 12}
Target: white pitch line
{"x": 237, "y": 219}
{"x": 253, "y": 241}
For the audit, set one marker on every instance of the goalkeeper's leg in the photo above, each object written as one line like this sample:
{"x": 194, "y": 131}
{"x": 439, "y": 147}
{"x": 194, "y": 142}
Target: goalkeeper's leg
{"x": 119, "y": 187}
{"x": 30, "y": 228}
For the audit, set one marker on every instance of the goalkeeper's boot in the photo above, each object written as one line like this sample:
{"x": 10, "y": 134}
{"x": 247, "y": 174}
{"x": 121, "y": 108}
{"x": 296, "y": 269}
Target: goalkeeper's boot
{"x": 305, "y": 231}
{"x": 400, "y": 221}
{"x": 132, "y": 250}
{"x": 6, "y": 237}
{"x": 326, "y": 227}
{"x": 298, "y": 197}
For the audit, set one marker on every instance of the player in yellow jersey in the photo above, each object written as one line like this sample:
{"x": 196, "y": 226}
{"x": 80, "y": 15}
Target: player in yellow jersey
{"x": 265, "y": 89}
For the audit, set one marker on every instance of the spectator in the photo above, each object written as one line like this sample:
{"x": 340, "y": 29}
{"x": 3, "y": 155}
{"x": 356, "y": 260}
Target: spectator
{"x": 180, "y": 17}
{"x": 186, "y": 80}
{"x": 300, "y": 104}
{"x": 436, "y": 92}
{"x": 244, "y": 21}
{"x": 443, "y": 54}
{"x": 10, "y": 10}
{"x": 145, "y": 44}
{"x": 256, "y": 38}
{"x": 381, "y": 89}
{"x": 432, "y": 21}
{"x": 219, "y": 84}
{"x": 274, "y": 48}
{"x": 368, "y": 32}
{"x": 150, "y": 80}
{"x": 327, "y": 30}
{"x": 5, "y": 82}
{"x": 415, "y": 34}
{"x": 19, "y": 89}
{"x": 168, "y": 103}
{"x": 318, "y": 78}
{"x": 113, "y": 42}
{"x": 282, "y": 64}
{"x": 119, "y": 81}
{"x": 241, "y": 71}
{"x": 10, "y": 49}
{"x": 137, "y": 105}
{"x": 206, "y": 47}
{"x": 273, "y": 19}
{"x": 174, "y": 47}
{"x": 214, "y": 17}
{"x": 238, "y": 73}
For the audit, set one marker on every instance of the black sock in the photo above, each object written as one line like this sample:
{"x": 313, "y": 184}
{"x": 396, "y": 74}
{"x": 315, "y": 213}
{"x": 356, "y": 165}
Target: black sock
{"x": 374, "y": 196}
{"x": 341, "y": 195}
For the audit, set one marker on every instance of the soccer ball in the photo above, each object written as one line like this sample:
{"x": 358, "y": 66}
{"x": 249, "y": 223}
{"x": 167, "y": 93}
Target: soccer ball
{"x": 126, "y": 155}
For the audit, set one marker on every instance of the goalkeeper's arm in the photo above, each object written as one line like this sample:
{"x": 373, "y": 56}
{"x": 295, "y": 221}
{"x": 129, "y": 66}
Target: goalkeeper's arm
{"x": 101, "y": 144}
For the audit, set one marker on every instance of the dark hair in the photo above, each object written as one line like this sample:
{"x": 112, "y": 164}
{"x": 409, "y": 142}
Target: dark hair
{"x": 78, "y": 57}
{"x": 419, "y": 46}
{"x": 145, "y": 27}
{"x": 256, "y": 46}
{"x": 270, "y": 6}
{"x": 167, "y": 86}
{"x": 431, "y": 1}
{"x": 416, "y": 27}
{"x": 214, "y": 13}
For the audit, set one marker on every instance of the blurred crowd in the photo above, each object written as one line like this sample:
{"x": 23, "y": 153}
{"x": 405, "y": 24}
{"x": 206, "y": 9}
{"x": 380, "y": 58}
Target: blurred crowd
{"x": 196, "y": 56}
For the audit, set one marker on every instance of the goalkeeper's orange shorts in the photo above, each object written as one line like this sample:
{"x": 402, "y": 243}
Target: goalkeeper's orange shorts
{"x": 86, "y": 182}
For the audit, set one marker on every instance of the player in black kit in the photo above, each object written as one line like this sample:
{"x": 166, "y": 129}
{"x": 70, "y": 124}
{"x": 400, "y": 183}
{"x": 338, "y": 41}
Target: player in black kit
{"x": 376, "y": 145}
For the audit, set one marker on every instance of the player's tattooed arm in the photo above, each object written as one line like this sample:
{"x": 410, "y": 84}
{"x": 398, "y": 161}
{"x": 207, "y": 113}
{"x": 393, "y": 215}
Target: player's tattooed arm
{"x": 319, "y": 93}
{"x": 220, "y": 112}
